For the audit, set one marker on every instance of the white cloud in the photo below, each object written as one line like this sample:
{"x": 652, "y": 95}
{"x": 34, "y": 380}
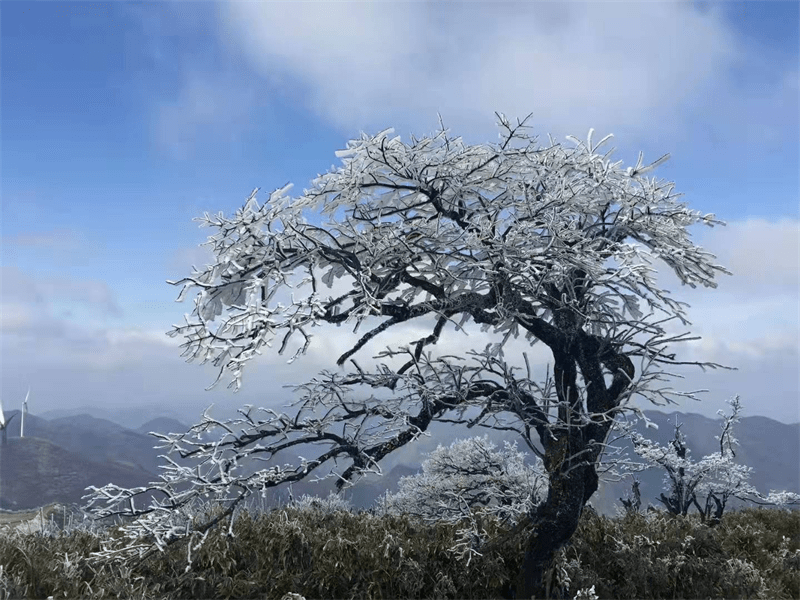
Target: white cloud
{"x": 50, "y": 289}
{"x": 122, "y": 337}
{"x": 25, "y": 318}
{"x": 664, "y": 71}
{"x": 183, "y": 259}
{"x": 208, "y": 105}
{"x": 602, "y": 65}
{"x": 762, "y": 255}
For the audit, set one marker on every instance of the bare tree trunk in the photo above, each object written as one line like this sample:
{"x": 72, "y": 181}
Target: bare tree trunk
{"x": 571, "y": 448}
{"x": 554, "y": 524}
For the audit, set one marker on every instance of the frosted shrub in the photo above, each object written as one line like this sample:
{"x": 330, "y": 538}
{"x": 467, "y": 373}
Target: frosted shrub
{"x": 329, "y": 505}
{"x": 466, "y": 481}
{"x": 586, "y": 594}
{"x": 716, "y": 478}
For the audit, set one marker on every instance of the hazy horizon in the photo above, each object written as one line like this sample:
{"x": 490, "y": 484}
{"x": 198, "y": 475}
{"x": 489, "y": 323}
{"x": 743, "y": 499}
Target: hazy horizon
{"x": 134, "y": 418}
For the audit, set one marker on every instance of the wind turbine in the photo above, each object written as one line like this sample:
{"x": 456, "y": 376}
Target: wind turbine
{"x": 23, "y": 413}
{"x": 3, "y": 422}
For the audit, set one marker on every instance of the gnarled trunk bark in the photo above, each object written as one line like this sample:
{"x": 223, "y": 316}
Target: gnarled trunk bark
{"x": 555, "y": 522}
{"x": 574, "y": 445}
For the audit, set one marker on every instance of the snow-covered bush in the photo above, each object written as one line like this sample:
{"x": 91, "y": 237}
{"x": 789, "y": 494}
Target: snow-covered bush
{"x": 716, "y": 478}
{"x": 333, "y": 503}
{"x": 467, "y": 480}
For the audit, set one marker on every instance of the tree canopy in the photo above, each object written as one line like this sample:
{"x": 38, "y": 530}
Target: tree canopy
{"x": 509, "y": 237}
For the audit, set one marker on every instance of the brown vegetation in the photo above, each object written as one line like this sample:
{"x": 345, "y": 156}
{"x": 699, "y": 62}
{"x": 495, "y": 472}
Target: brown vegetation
{"x": 753, "y": 553}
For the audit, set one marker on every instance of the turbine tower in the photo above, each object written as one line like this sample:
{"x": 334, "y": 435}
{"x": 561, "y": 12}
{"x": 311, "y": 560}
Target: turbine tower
{"x": 23, "y": 413}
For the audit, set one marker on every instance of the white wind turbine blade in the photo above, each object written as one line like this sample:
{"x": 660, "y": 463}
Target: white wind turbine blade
{"x": 2, "y": 416}
{"x": 23, "y": 412}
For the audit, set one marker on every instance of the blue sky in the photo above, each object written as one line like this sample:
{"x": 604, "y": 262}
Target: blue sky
{"x": 123, "y": 122}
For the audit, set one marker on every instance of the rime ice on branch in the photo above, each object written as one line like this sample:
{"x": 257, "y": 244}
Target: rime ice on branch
{"x": 716, "y": 477}
{"x": 510, "y": 237}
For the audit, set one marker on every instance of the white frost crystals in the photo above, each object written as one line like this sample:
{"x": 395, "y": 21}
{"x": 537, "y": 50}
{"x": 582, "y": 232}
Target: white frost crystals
{"x": 436, "y": 233}
{"x": 467, "y": 479}
{"x": 532, "y": 190}
{"x": 586, "y": 594}
{"x": 716, "y": 477}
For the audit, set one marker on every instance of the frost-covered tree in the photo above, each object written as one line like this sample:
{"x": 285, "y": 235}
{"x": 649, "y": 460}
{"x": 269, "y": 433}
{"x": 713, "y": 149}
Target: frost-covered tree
{"x": 716, "y": 477}
{"x": 634, "y": 502}
{"x": 509, "y": 237}
{"x": 466, "y": 480}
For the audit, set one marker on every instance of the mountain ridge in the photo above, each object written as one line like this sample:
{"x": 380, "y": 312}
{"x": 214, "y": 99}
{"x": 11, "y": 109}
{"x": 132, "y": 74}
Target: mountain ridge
{"x": 770, "y": 447}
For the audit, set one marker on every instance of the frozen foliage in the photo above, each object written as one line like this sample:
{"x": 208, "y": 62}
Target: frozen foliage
{"x": 449, "y": 213}
{"x": 586, "y": 594}
{"x": 510, "y": 237}
{"x": 468, "y": 479}
{"x": 716, "y": 477}
{"x": 327, "y": 506}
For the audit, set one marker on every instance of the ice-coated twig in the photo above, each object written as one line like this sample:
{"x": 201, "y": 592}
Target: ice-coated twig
{"x": 510, "y": 237}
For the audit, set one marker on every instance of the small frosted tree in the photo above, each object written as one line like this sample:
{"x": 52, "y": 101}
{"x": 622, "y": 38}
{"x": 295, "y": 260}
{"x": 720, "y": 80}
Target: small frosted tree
{"x": 466, "y": 480}
{"x": 714, "y": 479}
{"x": 510, "y": 238}
{"x": 634, "y": 502}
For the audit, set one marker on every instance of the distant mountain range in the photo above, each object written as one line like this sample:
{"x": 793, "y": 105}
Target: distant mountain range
{"x": 60, "y": 456}
{"x": 57, "y": 459}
